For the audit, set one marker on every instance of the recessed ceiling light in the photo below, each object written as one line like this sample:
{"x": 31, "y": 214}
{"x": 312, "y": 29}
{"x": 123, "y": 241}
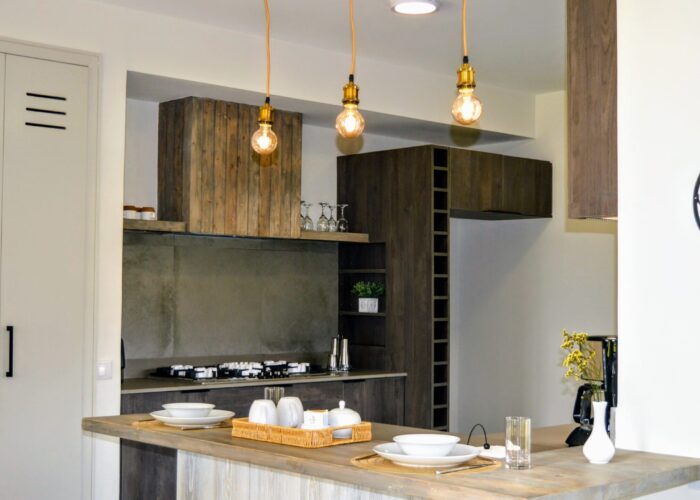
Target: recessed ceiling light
{"x": 414, "y": 7}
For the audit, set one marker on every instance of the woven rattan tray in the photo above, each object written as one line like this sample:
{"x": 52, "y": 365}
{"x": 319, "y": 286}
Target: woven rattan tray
{"x": 318, "y": 438}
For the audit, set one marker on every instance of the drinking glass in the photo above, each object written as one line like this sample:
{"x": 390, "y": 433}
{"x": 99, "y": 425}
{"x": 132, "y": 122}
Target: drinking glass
{"x": 342, "y": 221}
{"x": 322, "y": 224}
{"x": 518, "y": 443}
{"x": 308, "y": 223}
{"x": 274, "y": 394}
{"x": 332, "y": 223}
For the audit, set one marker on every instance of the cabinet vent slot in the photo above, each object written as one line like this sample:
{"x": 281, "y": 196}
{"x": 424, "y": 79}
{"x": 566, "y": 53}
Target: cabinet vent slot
{"x": 49, "y": 111}
{"x": 44, "y": 125}
{"x": 46, "y": 96}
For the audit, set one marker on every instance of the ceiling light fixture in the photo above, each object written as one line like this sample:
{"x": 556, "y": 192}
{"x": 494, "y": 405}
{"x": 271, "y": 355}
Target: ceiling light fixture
{"x": 264, "y": 140}
{"x": 466, "y": 108}
{"x": 350, "y": 122}
{"x": 414, "y": 7}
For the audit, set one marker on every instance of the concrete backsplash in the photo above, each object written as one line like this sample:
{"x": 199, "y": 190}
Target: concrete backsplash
{"x": 195, "y": 296}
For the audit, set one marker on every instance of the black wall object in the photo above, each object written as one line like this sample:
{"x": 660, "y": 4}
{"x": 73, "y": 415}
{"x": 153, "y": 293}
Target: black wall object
{"x": 696, "y": 201}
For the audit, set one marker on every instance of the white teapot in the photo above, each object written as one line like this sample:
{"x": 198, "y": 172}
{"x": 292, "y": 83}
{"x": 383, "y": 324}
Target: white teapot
{"x": 343, "y": 416}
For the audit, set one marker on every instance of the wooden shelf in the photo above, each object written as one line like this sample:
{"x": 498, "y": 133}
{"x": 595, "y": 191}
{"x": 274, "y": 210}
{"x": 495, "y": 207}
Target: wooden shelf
{"x": 341, "y": 237}
{"x": 180, "y": 227}
{"x": 362, "y": 271}
{"x": 163, "y": 226}
{"x": 355, "y": 313}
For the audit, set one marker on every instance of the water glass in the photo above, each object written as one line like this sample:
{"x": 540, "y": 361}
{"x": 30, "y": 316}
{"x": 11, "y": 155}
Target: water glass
{"x": 518, "y": 438}
{"x": 274, "y": 394}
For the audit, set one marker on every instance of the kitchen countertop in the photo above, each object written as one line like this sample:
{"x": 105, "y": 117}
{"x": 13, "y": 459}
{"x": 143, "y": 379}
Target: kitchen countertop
{"x": 141, "y": 385}
{"x": 559, "y": 473}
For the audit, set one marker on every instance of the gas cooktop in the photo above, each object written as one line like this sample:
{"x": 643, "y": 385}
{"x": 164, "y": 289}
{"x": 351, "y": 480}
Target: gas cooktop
{"x": 232, "y": 371}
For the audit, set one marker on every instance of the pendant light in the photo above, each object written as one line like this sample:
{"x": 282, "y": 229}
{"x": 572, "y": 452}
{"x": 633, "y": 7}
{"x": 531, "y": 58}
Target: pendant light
{"x": 350, "y": 122}
{"x": 466, "y": 108}
{"x": 264, "y": 140}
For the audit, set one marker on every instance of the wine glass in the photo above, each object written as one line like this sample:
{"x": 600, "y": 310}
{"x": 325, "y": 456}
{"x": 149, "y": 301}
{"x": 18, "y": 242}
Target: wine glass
{"x": 301, "y": 215}
{"x": 342, "y": 221}
{"x": 308, "y": 223}
{"x": 332, "y": 223}
{"x": 322, "y": 224}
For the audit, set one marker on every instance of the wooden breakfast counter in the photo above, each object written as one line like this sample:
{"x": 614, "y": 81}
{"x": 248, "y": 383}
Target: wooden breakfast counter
{"x": 213, "y": 464}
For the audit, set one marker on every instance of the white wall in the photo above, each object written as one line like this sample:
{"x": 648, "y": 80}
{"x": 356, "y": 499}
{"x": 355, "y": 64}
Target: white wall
{"x": 515, "y": 285}
{"x": 659, "y": 243}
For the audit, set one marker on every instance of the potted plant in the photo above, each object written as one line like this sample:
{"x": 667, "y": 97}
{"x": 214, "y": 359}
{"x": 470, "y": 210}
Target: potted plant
{"x": 368, "y": 293}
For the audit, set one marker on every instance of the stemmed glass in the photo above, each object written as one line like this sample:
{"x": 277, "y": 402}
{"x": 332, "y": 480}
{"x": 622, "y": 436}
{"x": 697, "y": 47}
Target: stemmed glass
{"x": 332, "y": 223}
{"x": 342, "y": 221}
{"x": 301, "y": 215}
{"x": 308, "y": 223}
{"x": 322, "y": 224}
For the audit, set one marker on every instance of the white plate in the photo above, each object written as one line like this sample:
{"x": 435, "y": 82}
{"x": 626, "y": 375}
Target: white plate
{"x": 215, "y": 417}
{"x": 460, "y": 454}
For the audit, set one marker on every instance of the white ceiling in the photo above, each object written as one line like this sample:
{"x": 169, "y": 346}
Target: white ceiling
{"x": 517, "y": 44}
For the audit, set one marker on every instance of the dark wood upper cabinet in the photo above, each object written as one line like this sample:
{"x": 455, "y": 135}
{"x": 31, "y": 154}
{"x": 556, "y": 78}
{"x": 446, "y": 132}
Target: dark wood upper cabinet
{"x": 592, "y": 94}
{"x": 491, "y": 186}
{"x": 210, "y": 177}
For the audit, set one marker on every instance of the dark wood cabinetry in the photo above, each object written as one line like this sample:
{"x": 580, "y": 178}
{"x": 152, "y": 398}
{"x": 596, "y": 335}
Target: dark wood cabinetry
{"x": 592, "y": 94}
{"x": 210, "y": 177}
{"x": 492, "y": 186}
{"x": 401, "y": 198}
{"x": 149, "y": 471}
{"x": 404, "y": 199}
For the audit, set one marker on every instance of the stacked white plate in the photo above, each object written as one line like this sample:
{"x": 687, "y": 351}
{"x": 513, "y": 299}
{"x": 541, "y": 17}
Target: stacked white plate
{"x": 460, "y": 453}
{"x": 191, "y": 415}
{"x": 427, "y": 450}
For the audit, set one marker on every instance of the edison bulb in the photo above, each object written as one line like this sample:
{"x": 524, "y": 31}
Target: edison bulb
{"x": 466, "y": 108}
{"x": 264, "y": 140}
{"x": 350, "y": 122}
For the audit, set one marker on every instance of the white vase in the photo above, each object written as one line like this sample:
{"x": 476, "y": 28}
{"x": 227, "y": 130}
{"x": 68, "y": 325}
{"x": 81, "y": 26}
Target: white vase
{"x": 599, "y": 449}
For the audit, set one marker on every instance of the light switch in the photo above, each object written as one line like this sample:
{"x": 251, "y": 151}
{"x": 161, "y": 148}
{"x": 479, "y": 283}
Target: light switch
{"x": 104, "y": 370}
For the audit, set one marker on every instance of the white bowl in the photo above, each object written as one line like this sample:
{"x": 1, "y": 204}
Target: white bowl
{"x": 189, "y": 410}
{"x": 426, "y": 445}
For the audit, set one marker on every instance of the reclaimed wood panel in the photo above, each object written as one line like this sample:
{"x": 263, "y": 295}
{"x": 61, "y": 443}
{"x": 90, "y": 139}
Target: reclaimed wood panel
{"x": 210, "y": 177}
{"x": 592, "y": 95}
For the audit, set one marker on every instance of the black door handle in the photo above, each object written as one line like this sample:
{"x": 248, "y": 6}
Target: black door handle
{"x": 11, "y": 331}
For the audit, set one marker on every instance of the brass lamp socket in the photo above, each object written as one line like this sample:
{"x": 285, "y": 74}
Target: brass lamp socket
{"x": 351, "y": 93}
{"x": 466, "y": 77}
{"x": 265, "y": 114}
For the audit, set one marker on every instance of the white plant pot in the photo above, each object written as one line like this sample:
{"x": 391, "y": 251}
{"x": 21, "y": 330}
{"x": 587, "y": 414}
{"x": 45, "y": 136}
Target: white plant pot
{"x": 368, "y": 305}
{"x": 599, "y": 449}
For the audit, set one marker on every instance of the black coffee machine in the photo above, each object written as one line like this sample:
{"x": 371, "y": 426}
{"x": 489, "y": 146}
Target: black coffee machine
{"x": 606, "y": 348}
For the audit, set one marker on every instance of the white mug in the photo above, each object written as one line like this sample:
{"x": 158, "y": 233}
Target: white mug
{"x": 263, "y": 411}
{"x": 290, "y": 412}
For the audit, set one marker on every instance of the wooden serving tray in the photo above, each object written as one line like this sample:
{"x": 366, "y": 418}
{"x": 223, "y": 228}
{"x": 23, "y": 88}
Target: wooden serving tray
{"x": 318, "y": 438}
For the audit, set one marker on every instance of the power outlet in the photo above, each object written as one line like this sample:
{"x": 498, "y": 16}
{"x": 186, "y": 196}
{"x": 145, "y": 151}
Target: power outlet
{"x": 104, "y": 370}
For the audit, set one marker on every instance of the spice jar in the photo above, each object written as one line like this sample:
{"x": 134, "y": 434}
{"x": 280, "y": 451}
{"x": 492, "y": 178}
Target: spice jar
{"x": 147, "y": 213}
{"x": 131, "y": 212}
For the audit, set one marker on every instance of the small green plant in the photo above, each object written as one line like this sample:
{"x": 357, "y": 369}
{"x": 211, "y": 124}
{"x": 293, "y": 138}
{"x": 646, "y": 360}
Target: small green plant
{"x": 368, "y": 289}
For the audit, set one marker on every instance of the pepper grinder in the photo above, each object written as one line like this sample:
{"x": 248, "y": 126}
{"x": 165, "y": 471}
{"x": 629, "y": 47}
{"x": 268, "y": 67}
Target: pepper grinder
{"x": 344, "y": 361}
{"x": 333, "y": 356}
